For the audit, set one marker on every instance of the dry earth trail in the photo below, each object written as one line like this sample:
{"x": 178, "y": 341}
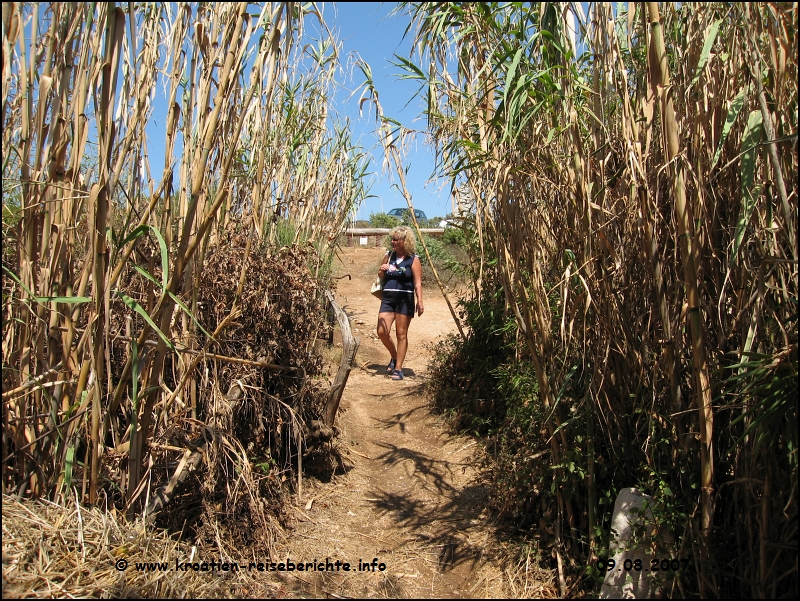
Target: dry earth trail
{"x": 408, "y": 495}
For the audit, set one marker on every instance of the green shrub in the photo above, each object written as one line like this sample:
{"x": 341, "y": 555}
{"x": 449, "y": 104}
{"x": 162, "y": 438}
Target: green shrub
{"x": 439, "y": 254}
{"x": 454, "y": 235}
{"x": 383, "y": 220}
{"x": 486, "y": 386}
{"x": 463, "y": 372}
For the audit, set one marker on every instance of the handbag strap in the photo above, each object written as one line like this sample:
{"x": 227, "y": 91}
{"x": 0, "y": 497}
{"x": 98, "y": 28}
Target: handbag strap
{"x": 382, "y": 278}
{"x": 389, "y": 254}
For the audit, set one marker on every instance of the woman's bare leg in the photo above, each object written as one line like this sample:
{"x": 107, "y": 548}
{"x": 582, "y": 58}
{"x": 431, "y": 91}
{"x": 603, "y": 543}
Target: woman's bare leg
{"x": 401, "y": 329}
{"x": 385, "y": 321}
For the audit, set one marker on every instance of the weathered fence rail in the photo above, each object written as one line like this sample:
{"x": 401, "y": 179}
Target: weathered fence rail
{"x": 377, "y": 231}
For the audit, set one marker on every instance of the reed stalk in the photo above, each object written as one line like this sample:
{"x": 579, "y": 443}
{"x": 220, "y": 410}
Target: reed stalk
{"x": 617, "y": 191}
{"x": 105, "y": 251}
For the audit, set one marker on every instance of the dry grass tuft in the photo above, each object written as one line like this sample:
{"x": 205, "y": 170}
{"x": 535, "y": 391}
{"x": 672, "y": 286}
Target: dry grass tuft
{"x": 53, "y": 551}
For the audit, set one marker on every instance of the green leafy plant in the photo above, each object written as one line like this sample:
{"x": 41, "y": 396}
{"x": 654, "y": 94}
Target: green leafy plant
{"x": 384, "y": 220}
{"x": 454, "y": 235}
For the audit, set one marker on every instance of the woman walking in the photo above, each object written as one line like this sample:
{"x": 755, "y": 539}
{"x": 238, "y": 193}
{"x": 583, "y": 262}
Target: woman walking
{"x": 402, "y": 273}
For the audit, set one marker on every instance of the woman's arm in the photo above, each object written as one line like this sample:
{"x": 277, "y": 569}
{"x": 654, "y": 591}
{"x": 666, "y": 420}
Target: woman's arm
{"x": 384, "y": 265}
{"x": 416, "y": 271}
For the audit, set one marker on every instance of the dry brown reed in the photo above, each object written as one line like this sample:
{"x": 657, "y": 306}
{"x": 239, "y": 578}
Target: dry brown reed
{"x": 637, "y": 194}
{"x": 127, "y": 286}
{"x": 51, "y": 551}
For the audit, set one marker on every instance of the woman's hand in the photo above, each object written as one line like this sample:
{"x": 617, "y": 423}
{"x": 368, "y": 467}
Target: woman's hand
{"x": 385, "y": 267}
{"x": 416, "y": 271}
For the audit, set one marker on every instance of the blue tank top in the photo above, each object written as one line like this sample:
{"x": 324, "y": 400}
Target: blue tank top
{"x": 399, "y": 279}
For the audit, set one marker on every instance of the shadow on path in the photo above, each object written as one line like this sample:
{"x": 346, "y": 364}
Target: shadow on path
{"x": 440, "y": 525}
{"x": 439, "y": 529}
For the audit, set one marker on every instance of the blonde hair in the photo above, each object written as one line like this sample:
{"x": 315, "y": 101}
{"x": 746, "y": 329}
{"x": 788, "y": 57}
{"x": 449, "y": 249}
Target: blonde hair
{"x": 409, "y": 241}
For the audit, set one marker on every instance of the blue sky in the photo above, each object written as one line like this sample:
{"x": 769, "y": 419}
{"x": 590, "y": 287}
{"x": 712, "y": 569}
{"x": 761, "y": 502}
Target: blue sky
{"x": 368, "y": 29}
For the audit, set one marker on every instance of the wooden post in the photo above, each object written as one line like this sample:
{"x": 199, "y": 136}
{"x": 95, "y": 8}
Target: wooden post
{"x": 349, "y": 349}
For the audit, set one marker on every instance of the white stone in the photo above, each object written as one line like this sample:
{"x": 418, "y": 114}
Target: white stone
{"x": 620, "y": 583}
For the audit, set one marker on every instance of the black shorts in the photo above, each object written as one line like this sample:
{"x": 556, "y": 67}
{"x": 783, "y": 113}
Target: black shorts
{"x": 397, "y": 302}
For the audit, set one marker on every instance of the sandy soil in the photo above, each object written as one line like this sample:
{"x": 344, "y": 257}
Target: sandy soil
{"x": 408, "y": 495}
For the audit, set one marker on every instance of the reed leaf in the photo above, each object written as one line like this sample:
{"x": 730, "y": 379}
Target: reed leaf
{"x": 754, "y": 133}
{"x": 733, "y": 112}
{"x": 711, "y": 37}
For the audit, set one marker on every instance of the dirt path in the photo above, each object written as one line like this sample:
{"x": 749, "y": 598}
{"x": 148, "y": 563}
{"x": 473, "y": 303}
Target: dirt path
{"x": 408, "y": 495}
